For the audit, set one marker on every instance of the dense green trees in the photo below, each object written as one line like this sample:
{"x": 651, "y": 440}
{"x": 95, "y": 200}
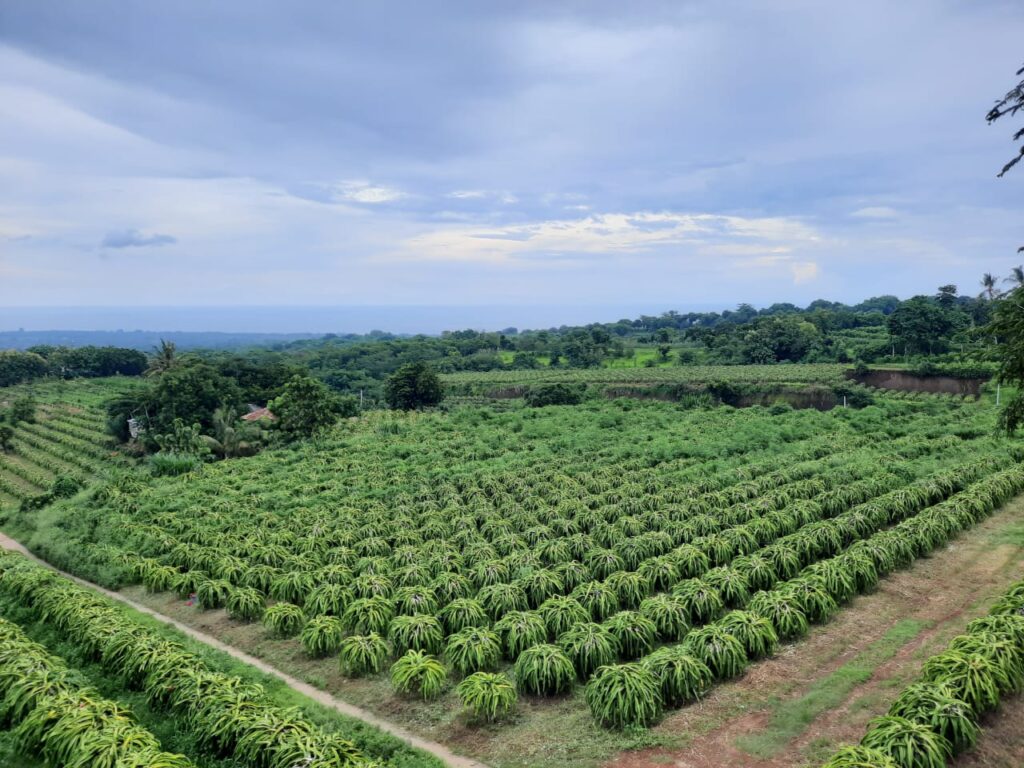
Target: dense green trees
{"x": 16, "y": 367}
{"x": 307, "y": 407}
{"x": 412, "y": 387}
{"x": 924, "y": 324}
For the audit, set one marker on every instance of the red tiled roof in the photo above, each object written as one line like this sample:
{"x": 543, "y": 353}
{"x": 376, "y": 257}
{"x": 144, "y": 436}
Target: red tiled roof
{"x": 259, "y": 413}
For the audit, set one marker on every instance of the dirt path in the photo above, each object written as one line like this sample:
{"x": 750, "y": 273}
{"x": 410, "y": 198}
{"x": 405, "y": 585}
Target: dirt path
{"x": 437, "y": 750}
{"x": 938, "y": 596}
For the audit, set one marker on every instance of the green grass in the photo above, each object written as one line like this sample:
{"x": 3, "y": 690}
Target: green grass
{"x": 790, "y": 718}
{"x": 1012, "y": 534}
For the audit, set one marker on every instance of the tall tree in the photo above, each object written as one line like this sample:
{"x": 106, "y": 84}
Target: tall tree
{"x": 1010, "y": 104}
{"x": 413, "y": 386}
{"x": 989, "y": 286}
{"x": 306, "y": 408}
{"x": 1016, "y": 278}
{"x": 164, "y": 358}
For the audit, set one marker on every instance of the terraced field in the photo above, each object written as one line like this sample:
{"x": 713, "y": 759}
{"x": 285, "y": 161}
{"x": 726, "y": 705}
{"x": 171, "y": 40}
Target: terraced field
{"x": 65, "y": 441}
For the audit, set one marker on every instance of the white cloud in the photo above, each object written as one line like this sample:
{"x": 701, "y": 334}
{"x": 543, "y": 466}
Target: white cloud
{"x": 467, "y": 194}
{"x": 364, "y": 192}
{"x": 612, "y": 233}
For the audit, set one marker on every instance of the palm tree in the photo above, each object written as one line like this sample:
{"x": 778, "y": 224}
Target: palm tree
{"x": 164, "y": 358}
{"x": 1016, "y": 277}
{"x": 988, "y": 285}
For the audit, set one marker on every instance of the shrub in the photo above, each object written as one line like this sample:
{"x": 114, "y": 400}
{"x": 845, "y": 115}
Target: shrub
{"x": 322, "y": 636}
{"x": 718, "y": 649}
{"x": 934, "y": 706}
{"x": 472, "y": 650}
{"x": 520, "y": 630}
{"x": 489, "y": 696}
{"x": 783, "y": 611}
{"x": 363, "y": 654}
{"x": 173, "y": 464}
{"x": 421, "y": 632}
{"x": 412, "y": 600}
{"x": 544, "y": 670}
{"x": 328, "y": 600}
{"x": 755, "y": 633}
{"x": 731, "y": 585}
{"x": 589, "y": 646}
{"x": 462, "y": 613}
{"x": 909, "y": 744}
{"x": 703, "y": 603}
{"x": 634, "y": 632}
{"x": 284, "y": 619}
{"x": 245, "y": 604}
{"x": 621, "y": 695}
{"x": 367, "y": 615}
{"x": 681, "y": 676}
{"x": 669, "y": 615}
{"x": 499, "y": 599}
{"x": 813, "y": 598}
{"x": 562, "y": 613}
{"x": 860, "y": 757}
{"x": 419, "y": 673}
{"x": 555, "y": 394}
{"x": 213, "y": 593}
{"x": 971, "y": 678}
{"x": 598, "y": 598}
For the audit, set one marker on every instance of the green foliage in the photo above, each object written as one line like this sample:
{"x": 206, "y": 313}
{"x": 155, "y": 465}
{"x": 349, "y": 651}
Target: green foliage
{"x": 305, "y": 408}
{"x": 412, "y": 387}
{"x": 560, "y": 614}
{"x": 681, "y": 677}
{"x": 721, "y": 651}
{"x": 418, "y": 673}
{"x": 756, "y": 633}
{"x": 555, "y": 394}
{"x": 589, "y": 646}
{"x": 213, "y": 593}
{"x": 909, "y": 744}
{"x": 16, "y": 367}
{"x": 621, "y": 695}
{"x": 487, "y": 695}
{"x": 23, "y": 409}
{"x": 544, "y": 670}
{"x": 473, "y": 649}
{"x": 703, "y": 602}
{"x": 935, "y": 707}
{"x": 971, "y": 677}
{"x": 245, "y": 604}
{"x": 419, "y": 632}
{"x": 284, "y": 619}
{"x": 462, "y": 613}
{"x": 634, "y": 632}
{"x": 363, "y": 654}
{"x": 783, "y": 611}
{"x": 860, "y": 757}
{"x": 669, "y": 614}
{"x": 520, "y": 630}
{"x": 322, "y": 636}
{"x": 598, "y": 598}
{"x": 368, "y": 615}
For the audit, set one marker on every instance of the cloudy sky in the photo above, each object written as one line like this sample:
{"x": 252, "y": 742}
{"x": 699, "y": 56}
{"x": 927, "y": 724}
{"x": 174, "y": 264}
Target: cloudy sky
{"x": 674, "y": 154}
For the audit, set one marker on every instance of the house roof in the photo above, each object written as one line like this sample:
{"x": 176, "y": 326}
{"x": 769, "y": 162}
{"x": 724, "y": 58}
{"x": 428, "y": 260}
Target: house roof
{"x": 259, "y": 413}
